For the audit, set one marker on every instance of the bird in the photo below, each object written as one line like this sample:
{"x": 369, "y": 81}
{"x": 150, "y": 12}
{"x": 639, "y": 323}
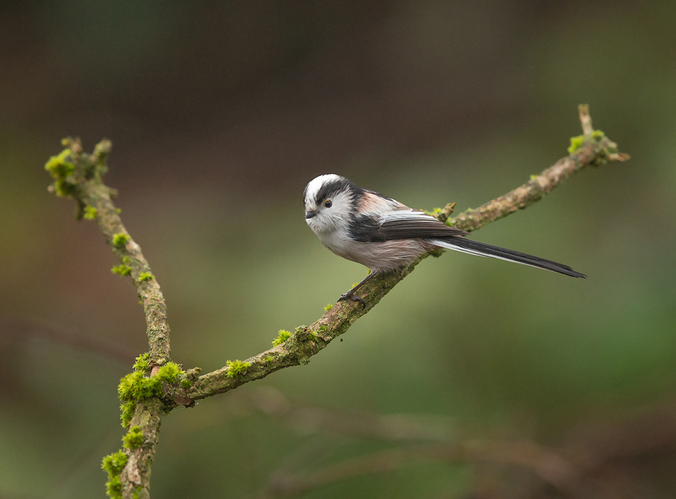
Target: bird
{"x": 383, "y": 234}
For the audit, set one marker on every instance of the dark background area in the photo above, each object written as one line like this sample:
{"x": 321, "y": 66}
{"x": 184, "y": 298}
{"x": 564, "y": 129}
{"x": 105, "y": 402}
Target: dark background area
{"x": 220, "y": 113}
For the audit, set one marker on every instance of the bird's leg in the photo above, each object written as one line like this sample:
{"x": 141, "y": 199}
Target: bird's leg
{"x": 350, "y": 294}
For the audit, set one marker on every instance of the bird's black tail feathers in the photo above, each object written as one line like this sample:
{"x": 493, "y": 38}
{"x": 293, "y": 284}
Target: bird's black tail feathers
{"x": 482, "y": 249}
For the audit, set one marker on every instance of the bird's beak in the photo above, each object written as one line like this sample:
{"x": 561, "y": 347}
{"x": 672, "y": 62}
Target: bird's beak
{"x": 310, "y": 214}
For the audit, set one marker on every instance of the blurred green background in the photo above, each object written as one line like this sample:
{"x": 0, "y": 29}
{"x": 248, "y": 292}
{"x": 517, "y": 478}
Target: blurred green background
{"x": 220, "y": 113}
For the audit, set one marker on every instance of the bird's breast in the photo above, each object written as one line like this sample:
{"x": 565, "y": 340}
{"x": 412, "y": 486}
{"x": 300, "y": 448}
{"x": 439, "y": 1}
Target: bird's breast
{"x": 377, "y": 256}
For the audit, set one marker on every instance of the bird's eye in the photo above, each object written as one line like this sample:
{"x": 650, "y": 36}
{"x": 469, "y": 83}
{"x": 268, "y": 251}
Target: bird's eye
{"x": 328, "y": 203}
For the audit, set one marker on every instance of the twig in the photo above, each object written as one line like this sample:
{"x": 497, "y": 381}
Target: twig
{"x": 546, "y": 464}
{"x": 87, "y": 187}
{"x": 82, "y": 180}
{"x": 585, "y": 120}
{"x": 26, "y": 328}
{"x": 591, "y": 153}
{"x": 412, "y": 428}
{"x": 310, "y": 340}
{"x": 80, "y": 175}
{"x": 592, "y": 461}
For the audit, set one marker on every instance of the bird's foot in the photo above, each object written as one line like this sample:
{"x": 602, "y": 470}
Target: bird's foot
{"x": 350, "y": 296}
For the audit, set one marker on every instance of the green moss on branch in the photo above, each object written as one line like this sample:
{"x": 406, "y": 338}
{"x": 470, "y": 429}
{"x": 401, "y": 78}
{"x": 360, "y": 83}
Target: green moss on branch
{"x": 236, "y": 368}
{"x": 291, "y": 350}
{"x": 79, "y": 175}
{"x": 121, "y": 269}
{"x": 281, "y": 337}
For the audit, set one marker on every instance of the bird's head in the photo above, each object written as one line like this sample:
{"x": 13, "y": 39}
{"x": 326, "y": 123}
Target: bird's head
{"x": 329, "y": 202}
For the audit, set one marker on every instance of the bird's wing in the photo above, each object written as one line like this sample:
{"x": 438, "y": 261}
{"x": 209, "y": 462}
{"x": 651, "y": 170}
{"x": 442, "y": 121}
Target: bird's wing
{"x": 400, "y": 224}
{"x": 412, "y": 224}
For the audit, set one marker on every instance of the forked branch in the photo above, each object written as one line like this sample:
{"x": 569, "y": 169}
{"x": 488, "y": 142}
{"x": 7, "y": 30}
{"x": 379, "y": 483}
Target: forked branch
{"x": 80, "y": 175}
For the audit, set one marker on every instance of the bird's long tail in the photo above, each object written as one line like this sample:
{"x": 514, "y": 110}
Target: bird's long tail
{"x": 482, "y": 249}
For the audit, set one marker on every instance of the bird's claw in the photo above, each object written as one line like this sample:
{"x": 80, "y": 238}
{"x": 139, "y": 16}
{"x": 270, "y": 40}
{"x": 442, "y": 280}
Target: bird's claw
{"x": 350, "y": 296}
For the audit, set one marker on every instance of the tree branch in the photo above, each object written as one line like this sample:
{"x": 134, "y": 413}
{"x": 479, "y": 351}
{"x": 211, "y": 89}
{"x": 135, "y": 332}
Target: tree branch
{"x": 546, "y": 464}
{"x": 591, "y": 461}
{"x": 23, "y": 329}
{"x": 79, "y": 175}
{"x": 592, "y": 149}
{"x": 85, "y": 184}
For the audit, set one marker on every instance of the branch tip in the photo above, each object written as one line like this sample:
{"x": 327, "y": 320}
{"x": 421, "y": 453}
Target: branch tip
{"x": 446, "y": 212}
{"x": 585, "y": 120}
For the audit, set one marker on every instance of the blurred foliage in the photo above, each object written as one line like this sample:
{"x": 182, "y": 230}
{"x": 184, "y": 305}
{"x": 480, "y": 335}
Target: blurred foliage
{"x": 219, "y": 114}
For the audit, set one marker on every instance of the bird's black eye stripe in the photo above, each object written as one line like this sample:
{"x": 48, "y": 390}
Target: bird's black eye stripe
{"x": 336, "y": 186}
{"x": 328, "y": 203}
{"x": 329, "y": 189}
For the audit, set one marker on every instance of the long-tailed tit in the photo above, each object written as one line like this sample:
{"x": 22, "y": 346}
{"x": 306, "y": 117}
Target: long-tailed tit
{"x": 383, "y": 234}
